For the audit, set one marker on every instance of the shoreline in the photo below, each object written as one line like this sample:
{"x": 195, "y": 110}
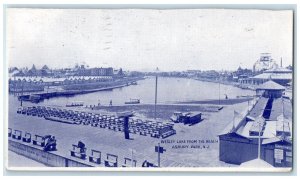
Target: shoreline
{"x": 165, "y": 111}
{"x": 48, "y": 95}
{"x": 230, "y": 83}
{"x": 218, "y": 102}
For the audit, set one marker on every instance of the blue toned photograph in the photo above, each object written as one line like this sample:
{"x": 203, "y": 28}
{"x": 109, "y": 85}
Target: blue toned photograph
{"x": 189, "y": 89}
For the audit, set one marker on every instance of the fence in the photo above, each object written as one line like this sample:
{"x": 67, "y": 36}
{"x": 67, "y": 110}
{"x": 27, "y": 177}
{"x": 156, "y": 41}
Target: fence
{"x": 43, "y": 157}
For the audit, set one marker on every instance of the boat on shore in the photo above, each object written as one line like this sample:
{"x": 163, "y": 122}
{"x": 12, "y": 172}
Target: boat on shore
{"x": 133, "y": 101}
{"x": 34, "y": 98}
{"x": 74, "y": 104}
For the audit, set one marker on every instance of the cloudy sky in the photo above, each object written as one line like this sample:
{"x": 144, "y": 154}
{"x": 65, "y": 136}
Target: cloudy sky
{"x": 146, "y": 39}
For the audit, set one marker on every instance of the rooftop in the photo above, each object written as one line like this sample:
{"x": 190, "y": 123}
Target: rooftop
{"x": 274, "y": 140}
{"x": 258, "y": 108}
{"x": 283, "y": 76}
{"x": 278, "y": 70}
{"x": 280, "y": 120}
{"x": 270, "y": 85}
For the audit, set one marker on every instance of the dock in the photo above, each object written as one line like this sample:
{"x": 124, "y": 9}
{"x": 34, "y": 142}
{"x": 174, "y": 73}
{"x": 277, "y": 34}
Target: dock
{"x": 37, "y": 97}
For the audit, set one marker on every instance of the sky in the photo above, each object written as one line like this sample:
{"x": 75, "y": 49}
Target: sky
{"x": 172, "y": 40}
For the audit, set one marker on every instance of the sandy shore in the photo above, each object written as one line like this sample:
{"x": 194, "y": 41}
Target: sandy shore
{"x": 218, "y": 102}
{"x": 165, "y": 111}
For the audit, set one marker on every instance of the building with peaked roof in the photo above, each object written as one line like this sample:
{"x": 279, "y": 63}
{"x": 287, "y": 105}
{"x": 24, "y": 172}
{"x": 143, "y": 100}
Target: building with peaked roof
{"x": 279, "y": 75}
{"x": 270, "y": 85}
{"x": 278, "y": 151}
{"x": 267, "y": 124}
{"x": 265, "y": 69}
{"x": 270, "y": 89}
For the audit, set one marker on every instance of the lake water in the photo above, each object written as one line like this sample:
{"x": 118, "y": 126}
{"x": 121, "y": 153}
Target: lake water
{"x": 169, "y": 90}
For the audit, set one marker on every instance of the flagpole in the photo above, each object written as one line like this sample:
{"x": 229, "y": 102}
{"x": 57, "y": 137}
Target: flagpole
{"x": 233, "y": 124}
{"x": 259, "y": 131}
{"x": 233, "y": 120}
{"x": 158, "y": 158}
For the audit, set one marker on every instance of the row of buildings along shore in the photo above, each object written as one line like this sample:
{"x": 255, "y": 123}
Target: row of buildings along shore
{"x": 264, "y": 69}
{"x": 33, "y": 80}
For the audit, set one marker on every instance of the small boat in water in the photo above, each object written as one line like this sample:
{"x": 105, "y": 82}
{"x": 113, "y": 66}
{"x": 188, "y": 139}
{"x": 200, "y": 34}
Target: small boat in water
{"x": 74, "y": 104}
{"x": 133, "y": 101}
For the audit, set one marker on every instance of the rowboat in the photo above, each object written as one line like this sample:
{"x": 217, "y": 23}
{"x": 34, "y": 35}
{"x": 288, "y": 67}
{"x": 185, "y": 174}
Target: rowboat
{"x": 133, "y": 101}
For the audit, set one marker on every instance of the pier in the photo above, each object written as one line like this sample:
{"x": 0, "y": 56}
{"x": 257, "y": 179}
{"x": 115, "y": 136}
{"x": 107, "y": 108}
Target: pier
{"x": 46, "y": 95}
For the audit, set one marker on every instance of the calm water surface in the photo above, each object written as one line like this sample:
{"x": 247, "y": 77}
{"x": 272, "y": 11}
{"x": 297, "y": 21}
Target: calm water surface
{"x": 169, "y": 90}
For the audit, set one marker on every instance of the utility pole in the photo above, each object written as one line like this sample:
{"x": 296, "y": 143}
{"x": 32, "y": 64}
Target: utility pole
{"x": 155, "y": 96}
{"x": 259, "y": 136}
{"x": 282, "y": 108}
{"x": 233, "y": 124}
{"x": 248, "y": 105}
{"x": 22, "y": 94}
{"x": 158, "y": 158}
